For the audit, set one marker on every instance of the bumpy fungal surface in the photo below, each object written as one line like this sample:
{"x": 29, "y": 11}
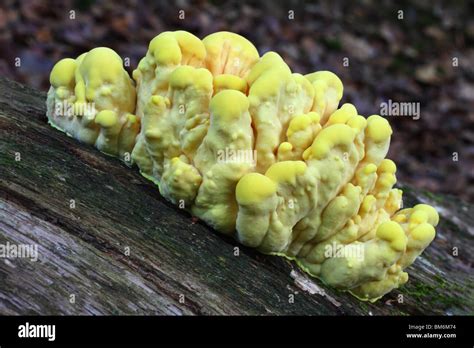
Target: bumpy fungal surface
{"x": 256, "y": 151}
{"x": 93, "y": 99}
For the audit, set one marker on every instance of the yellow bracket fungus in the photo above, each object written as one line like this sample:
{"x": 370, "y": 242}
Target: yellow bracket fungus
{"x": 256, "y": 151}
{"x": 93, "y": 99}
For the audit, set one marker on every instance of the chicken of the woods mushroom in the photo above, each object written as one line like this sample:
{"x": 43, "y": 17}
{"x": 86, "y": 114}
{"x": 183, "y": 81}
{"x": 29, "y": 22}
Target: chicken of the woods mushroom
{"x": 257, "y": 152}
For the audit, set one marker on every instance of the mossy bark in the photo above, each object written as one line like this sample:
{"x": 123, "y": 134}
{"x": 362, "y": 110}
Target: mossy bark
{"x": 110, "y": 244}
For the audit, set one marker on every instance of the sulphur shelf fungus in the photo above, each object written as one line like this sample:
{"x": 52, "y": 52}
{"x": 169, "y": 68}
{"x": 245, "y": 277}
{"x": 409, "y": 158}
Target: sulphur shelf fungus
{"x": 92, "y": 98}
{"x": 257, "y": 152}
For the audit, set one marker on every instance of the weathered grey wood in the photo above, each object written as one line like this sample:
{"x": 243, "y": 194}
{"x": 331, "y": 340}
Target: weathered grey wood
{"x": 82, "y": 250}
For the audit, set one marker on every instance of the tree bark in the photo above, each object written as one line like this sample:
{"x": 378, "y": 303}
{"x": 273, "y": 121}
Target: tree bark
{"x": 108, "y": 242}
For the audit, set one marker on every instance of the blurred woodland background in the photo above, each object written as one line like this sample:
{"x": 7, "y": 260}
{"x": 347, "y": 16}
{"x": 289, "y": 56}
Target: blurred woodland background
{"x": 404, "y": 51}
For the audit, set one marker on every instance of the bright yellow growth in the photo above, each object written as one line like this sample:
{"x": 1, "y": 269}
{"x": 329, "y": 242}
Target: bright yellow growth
{"x": 256, "y": 151}
{"x": 92, "y": 98}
